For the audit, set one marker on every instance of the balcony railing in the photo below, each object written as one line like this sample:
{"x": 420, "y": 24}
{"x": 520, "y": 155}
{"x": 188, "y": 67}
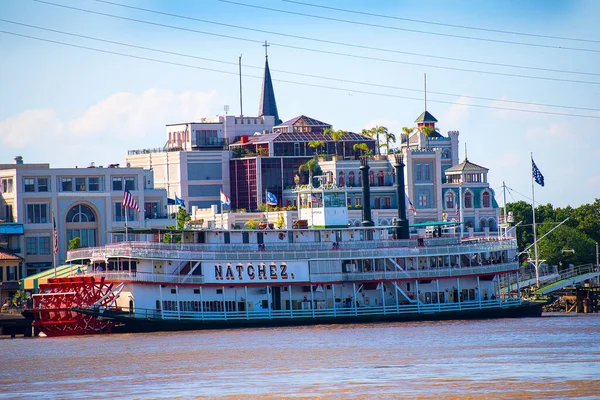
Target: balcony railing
{"x": 430, "y": 273}
{"x": 145, "y": 277}
{"x": 316, "y": 313}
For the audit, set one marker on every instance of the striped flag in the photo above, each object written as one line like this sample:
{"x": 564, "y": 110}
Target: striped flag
{"x": 411, "y": 207}
{"x": 55, "y": 234}
{"x": 225, "y": 199}
{"x": 456, "y": 212}
{"x": 129, "y": 201}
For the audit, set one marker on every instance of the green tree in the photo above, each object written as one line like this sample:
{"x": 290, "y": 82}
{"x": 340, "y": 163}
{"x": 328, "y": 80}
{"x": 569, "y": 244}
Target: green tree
{"x": 363, "y": 148}
{"x": 429, "y": 132}
{"x": 317, "y": 145}
{"x": 75, "y": 243}
{"x": 556, "y": 247}
{"x": 371, "y": 133}
{"x": 182, "y": 217}
{"x": 588, "y": 219}
{"x": 388, "y": 138}
{"x": 522, "y": 213}
{"x": 335, "y": 136}
{"x": 406, "y": 132}
{"x": 310, "y": 168}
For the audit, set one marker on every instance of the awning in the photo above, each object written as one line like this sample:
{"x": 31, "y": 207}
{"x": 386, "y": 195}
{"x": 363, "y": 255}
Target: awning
{"x": 32, "y": 282}
{"x": 11, "y": 229}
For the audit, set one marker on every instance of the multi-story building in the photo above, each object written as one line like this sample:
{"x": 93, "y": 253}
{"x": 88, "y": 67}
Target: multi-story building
{"x": 272, "y": 161}
{"x": 86, "y": 203}
{"x": 194, "y": 163}
{"x": 10, "y": 273}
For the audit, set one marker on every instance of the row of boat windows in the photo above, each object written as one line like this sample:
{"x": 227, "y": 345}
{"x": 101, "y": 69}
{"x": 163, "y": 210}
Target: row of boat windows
{"x": 197, "y": 306}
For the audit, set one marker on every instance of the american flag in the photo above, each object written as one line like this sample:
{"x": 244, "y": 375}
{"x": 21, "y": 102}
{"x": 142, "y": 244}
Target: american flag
{"x": 411, "y": 207}
{"x": 129, "y": 201}
{"x": 55, "y": 234}
{"x": 537, "y": 175}
{"x": 456, "y": 213}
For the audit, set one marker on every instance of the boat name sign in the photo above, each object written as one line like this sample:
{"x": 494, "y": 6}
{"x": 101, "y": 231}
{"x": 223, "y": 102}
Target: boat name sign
{"x": 258, "y": 272}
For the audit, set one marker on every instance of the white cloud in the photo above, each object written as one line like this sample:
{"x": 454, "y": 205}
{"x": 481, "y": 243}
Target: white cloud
{"x": 553, "y": 131}
{"x": 138, "y": 115}
{"x": 106, "y": 130}
{"x": 455, "y": 115}
{"x": 41, "y": 126}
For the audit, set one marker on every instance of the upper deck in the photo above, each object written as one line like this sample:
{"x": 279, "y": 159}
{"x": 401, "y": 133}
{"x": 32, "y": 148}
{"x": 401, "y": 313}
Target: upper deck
{"x": 286, "y": 251}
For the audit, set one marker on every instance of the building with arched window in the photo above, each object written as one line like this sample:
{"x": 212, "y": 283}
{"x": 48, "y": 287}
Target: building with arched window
{"x": 86, "y": 203}
{"x": 467, "y": 184}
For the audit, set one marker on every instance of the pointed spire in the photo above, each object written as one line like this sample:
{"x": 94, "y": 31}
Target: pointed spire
{"x": 268, "y": 106}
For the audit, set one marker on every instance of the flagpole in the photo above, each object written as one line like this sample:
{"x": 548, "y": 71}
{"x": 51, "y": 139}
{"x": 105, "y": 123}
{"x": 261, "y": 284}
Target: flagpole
{"x": 535, "y": 248}
{"x": 460, "y": 207}
{"x": 267, "y": 204}
{"x": 55, "y": 238}
{"x": 125, "y": 209}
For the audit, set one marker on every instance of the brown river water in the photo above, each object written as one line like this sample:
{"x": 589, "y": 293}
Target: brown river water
{"x": 556, "y": 356}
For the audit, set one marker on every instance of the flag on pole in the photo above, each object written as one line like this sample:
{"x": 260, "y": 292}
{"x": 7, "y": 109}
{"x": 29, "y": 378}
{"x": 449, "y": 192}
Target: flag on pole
{"x": 129, "y": 201}
{"x": 179, "y": 202}
{"x": 55, "y": 234}
{"x": 271, "y": 199}
{"x": 411, "y": 207}
{"x": 456, "y": 212}
{"x": 537, "y": 175}
{"x": 225, "y": 199}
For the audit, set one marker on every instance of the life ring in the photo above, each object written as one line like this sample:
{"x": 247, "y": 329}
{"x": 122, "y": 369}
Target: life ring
{"x": 281, "y": 235}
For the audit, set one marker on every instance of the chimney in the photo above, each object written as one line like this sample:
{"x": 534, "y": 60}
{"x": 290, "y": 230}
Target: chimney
{"x": 401, "y": 221}
{"x": 18, "y": 160}
{"x": 364, "y": 168}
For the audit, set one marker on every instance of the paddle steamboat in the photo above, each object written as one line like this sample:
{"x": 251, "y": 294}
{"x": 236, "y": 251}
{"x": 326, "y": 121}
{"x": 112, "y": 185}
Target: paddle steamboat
{"x": 320, "y": 271}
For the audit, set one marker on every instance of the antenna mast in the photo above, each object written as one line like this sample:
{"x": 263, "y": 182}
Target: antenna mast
{"x": 241, "y": 107}
{"x": 425, "y": 78}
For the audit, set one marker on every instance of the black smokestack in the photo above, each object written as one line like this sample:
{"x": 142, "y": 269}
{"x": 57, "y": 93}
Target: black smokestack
{"x": 364, "y": 168}
{"x": 401, "y": 221}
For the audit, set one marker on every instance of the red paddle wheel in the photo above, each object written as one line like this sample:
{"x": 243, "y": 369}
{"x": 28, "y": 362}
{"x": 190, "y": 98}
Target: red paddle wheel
{"x": 53, "y": 306}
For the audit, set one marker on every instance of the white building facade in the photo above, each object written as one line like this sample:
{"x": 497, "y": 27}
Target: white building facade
{"x": 86, "y": 203}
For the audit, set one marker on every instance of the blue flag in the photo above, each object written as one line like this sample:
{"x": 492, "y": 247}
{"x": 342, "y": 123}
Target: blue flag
{"x": 537, "y": 175}
{"x": 179, "y": 202}
{"x": 271, "y": 199}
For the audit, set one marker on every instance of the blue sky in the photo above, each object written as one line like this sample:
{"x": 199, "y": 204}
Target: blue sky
{"x": 70, "y": 106}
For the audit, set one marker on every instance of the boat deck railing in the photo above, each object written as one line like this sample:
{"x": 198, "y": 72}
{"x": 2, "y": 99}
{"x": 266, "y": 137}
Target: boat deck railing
{"x": 283, "y": 251}
{"x": 266, "y": 314}
{"x": 316, "y": 277}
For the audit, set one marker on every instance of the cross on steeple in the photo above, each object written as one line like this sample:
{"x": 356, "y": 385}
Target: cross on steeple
{"x": 265, "y": 46}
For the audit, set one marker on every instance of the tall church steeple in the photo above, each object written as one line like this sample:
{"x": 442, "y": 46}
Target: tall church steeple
{"x": 267, "y": 96}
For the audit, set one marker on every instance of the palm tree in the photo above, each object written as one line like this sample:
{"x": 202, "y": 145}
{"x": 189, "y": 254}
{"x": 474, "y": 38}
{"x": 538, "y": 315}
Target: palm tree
{"x": 406, "y": 131}
{"x": 372, "y": 133}
{"x": 335, "y": 136}
{"x": 387, "y": 136}
{"x": 312, "y": 168}
{"x": 428, "y": 132}
{"x": 316, "y": 144}
{"x": 362, "y": 147}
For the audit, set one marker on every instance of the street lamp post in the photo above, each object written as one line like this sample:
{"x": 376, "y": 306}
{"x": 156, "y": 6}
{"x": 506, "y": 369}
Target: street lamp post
{"x": 460, "y": 196}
